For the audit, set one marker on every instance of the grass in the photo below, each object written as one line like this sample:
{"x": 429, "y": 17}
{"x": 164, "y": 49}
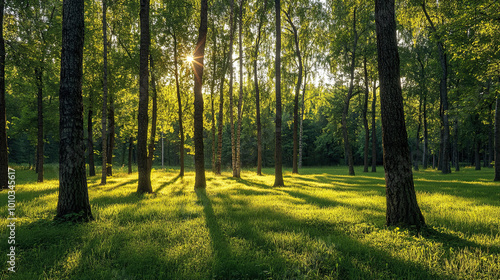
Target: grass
{"x": 323, "y": 224}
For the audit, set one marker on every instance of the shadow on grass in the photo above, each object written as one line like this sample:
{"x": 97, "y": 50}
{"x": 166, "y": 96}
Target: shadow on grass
{"x": 133, "y": 181}
{"x": 166, "y": 184}
{"x": 453, "y": 241}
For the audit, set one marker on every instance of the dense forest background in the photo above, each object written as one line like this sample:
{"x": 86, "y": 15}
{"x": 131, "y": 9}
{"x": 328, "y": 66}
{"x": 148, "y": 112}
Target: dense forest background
{"x": 334, "y": 43}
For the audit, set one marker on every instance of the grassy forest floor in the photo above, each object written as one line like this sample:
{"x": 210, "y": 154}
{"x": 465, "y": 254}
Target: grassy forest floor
{"x": 323, "y": 224}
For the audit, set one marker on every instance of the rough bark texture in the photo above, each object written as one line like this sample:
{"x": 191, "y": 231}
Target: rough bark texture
{"x": 144, "y": 184}
{"x": 257, "y": 98}
{"x": 240, "y": 97}
{"x": 151, "y": 146}
{"x": 104, "y": 151}
{"x": 402, "y": 207}
{"x": 4, "y": 164}
{"x": 374, "y": 128}
{"x": 345, "y": 132}
{"x": 365, "y": 116}
{"x": 497, "y": 138}
{"x": 179, "y": 105}
{"x": 278, "y": 169}
{"x": 90, "y": 137}
{"x": 295, "y": 168}
{"x": 199, "y": 158}
{"x": 73, "y": 194}
{"x": 39, "y": 78}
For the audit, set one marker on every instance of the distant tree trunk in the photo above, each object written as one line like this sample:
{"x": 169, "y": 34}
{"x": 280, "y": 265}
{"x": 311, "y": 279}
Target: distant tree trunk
{"x": 151, "y": 147}
{"x": 179, "y": 104}
{"x": 212, "y": 94}
{"x": 240, "y": 99}
{"x": 144, "y": 184}
{"x": 497, "y": 138}
{"x": 104, "y": 151}
{"x": 130, "y": 147}
{"x": 231, "y": 114}
{"x": 111, "y": 135}
{"x": 39, "y": 78}
{"x": 455, "y": 148}
{"x": 443, "y": 89}
{"x": 295, "y": 168}
{"x": 73, "y": 194}
{"x": 374, "y": 127}
{"x": 402, "y": 207}
{"x": 90, "y": 137}
{"x": 278, "y": 171}
{"x": 301, "y": 127}
{"x": 162, "y": 150}
{"x": 345, "y": 132}
{"x": 365, "y": 119}
{"x": 220, "y": 120}
{"x": 199, "y": 158}
{"x": 417, "y": 136}
{"x": 257, "y": 98}
{"x": 4, "y": 164}
{"x": 477, "y": 156}
{"x": 424, "y": 112}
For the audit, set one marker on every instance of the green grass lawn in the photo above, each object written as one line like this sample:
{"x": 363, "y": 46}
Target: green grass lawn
{"x": 323, "y": 224}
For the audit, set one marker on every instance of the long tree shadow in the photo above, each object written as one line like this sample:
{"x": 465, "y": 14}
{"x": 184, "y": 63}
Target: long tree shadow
{"x": 168, "y": 183}
{"x": 133, "y": 181}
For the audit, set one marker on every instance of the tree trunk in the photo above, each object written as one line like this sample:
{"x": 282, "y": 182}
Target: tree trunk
{"x": 278, "y": 172}
{"x": 417, "y": 136}
{"x": 345, "y": 132}
{"x": 39, "y": 78}
{"x": 231, "y": 114}
{"x": 212, "y": 94}
{"x": 477, "y": 156}
{"x": 455, "y": 148}
{"x": 90, "y": 137}
{"x": 295, "y": 169}
{"x": 73, "y": 194}
{"x": 111, "y": 135}
{"x": 301, "y": 124}
{"x": 144, "y": 184}
{"x": 374, "y": 127}
{"x": 426, "y": 135}
{"x": 199, "y": 159}
{"x": 257, "y": 98}
{"x": 104, "y": 151}
{"x": 151, "y": 147}
{"x": 179, "y": 104}
{"x": 497, "y": 138}
{"x": 220, "y": 120}
{"x": 365, "y": 119}
{"x": 130, "y": 146}
{"x": 240, "y": 98}
{"x": 4, "y": 164}
{"x": 402, "y": 207}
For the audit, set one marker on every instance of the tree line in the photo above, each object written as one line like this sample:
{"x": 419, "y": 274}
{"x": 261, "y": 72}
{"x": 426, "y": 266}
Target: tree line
{"x": 323, "y": 59}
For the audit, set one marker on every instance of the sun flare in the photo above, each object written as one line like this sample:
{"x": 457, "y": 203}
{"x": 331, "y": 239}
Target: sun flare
{"x": 189, "y": 58}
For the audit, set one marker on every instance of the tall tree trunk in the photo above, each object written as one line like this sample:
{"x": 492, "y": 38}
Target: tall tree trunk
{"x": 345, "y": 132}
{"x": 374, "y": 127}
{"x": 111, "y": 135}
{"x": 231, "y": 114}
{"x": 104, "y": 151}
{"x": 240, "y": 98}
{"x": 497, "y": 138}
{"x": 443, "y": 89}
{"x": 257, "y": 97}
{"x": 144, "y": 184}
{"x": 278, "y": 171}
{"x": 199, "y": 158}
{"x": 455, "y": 149}
{"x": 212, "y": 101}
{"x": 402, "y": 207}
{"x": 295, "y": 168}
{"x": 4, "y": 164}
{"x": 301, "y": 124}
{"x": 73, "y": 193}
{"x": 39, "y": 78}
{"x": 90, "y": 137}
{"x": 179, "y": 105}
{"x": 477, "y": 156}
{"x": 130, "y": 147}
{"x": 365, "y": 118}
{"x": 220, "y": 120}
{"x": 151, "y": 147}
{"x": 417, "y": 136}
{"x": 426, "y": 134}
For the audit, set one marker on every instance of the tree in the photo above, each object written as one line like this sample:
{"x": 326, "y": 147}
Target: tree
{"x": 151, "y": 146}
{"x": 4, "y": 164}
{"x": 104, "y": 151}
{"x": 199, "y": 159}
{"x": 240, "y": 96}
{"x": 278, "y": 172}
{"x": 144, "y": 184}
{"x": 73, "y": 193}
{"x": 402, "y": 207}
{"x": 179, "y": 104}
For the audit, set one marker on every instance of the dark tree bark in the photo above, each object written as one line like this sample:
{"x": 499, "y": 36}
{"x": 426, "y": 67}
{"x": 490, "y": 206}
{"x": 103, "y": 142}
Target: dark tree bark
{"x": 212, "y": 100}
{"x": 477, "y": 156}
{"x": 39, "y": 78}
{"x": 104, "y": 151}
{"x": 73, "y": 193}
{"x": 240, "y": 97}
{"x": 90, "y": 137}
{"x": 365, "y": 118}
{"x": 179, "y": 104}
{"x": 278, "y": 169}
{"x": 295, "y": 168}
{"x": 111, "y": 135}
{"x": 144, "y": 184}
{"x": 426, "y": 134}
{"x": 443, "y": 89}
{"x": 455, "y": 147}
{"x": 130, "y": 147}
{"x": 257, "y": 97}
{"x": 402, "y": 207}
{"x": 199, "y": 158}
{"x": 374, "y": 127}
{"x": 417, "y": 136}
{"x": 423, "y": 93}
{"x": 4, "y": 159}
{"x": 497, "y": 138}
{"x": 345, "y": 132}
{"x": 151, "y": 146}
